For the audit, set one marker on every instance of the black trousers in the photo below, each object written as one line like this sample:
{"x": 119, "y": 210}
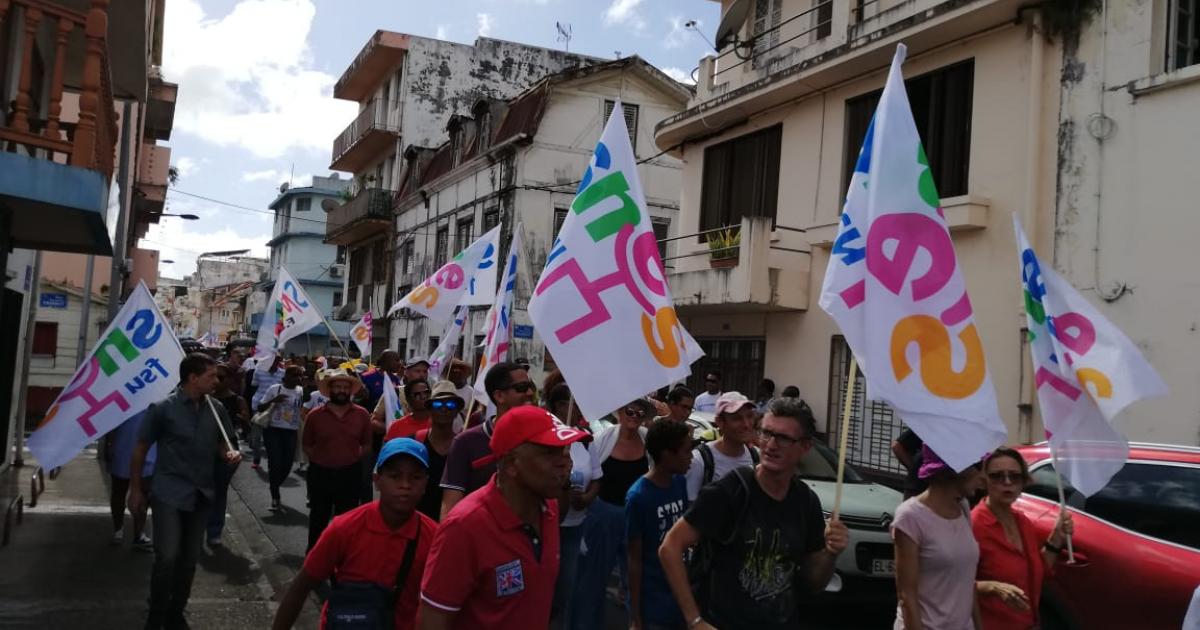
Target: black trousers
{"x": 178, "y": 536}
{"x": 331, "y": 491}
{"x": 281, "y": 454}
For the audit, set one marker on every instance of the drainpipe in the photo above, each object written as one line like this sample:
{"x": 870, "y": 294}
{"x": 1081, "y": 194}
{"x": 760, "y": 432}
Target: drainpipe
{"x": 26, "y": 353}
{"x": 1033, "y": 134}
{"x": 116, "y": 284}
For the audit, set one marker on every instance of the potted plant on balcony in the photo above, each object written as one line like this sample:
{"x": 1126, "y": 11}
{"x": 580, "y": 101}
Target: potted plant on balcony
{"x": 723, "y": 248}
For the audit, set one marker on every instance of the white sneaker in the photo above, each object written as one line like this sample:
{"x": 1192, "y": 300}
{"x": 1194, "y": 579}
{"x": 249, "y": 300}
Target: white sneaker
{"x": 118, "y": 537}
{"x": 214, "y": 542}
{"x": 143, "y": 543}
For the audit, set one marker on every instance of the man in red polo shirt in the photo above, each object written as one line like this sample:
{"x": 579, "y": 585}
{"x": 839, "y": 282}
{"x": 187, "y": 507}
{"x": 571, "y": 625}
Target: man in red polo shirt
{"x": 495, "y": 556}
{"x": 336, "y": 437}
{"x": 384, "y": 543}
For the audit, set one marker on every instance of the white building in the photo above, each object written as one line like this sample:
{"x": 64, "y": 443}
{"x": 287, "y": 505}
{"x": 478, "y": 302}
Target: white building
{"x": 56, "y": 341}
{"x": 521, "y": 161}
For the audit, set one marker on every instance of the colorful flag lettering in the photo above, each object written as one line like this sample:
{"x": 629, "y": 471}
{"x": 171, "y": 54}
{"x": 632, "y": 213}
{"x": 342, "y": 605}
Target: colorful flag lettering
{"x": 289, "y": 313}
{"x": 437, "y": 297}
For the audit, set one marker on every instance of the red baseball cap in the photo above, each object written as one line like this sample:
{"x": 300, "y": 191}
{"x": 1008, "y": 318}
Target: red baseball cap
{"x": 531, "y": 424}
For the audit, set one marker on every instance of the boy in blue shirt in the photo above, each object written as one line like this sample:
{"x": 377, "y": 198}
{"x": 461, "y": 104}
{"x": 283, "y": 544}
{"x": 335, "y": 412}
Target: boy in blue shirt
{"x": 652, "y": 505}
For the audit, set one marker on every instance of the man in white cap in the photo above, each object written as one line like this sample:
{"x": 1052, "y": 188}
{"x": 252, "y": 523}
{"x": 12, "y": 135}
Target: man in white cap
{"x": 735, "y": 417}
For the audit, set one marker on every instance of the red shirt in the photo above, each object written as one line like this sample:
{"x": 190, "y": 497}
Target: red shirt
{"x": 407, "y": 427}
{"x": 999, "y": 560}
{"x": 359, "y": 547}
{"x": 335, "y": 441}
{"x": 483, "y": 566}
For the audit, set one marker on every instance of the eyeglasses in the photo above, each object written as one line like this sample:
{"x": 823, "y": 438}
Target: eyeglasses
{"x": 449, "y": 405}
{"x": 781, "y": 439}
{"x": 1006, "y": 477}
{"x": 635, "y": 412}
{"x": 523, "y": 387}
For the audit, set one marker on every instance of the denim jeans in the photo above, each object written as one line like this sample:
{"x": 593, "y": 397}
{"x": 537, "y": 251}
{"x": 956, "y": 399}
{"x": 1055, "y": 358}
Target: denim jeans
{"x": 222, "y": 475}
{"x": 178, "y": 536}
{"x": 603, "y": 549}
{"x": 331, "y": 491}
{"x": 281, "y": 454}
{"x": 568, "y": 573}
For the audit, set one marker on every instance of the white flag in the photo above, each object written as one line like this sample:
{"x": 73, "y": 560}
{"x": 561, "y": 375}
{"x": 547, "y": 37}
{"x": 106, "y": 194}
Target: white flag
{"x": 440, "y": 293}
{"x": 602, "y": 305}
{"x": 289, "y": 313}
{"x": 361, "y": 335}
{"x": 135, "y": 363}
{"x": 481, "y": 290}
{"x": 499, "y": 323}
{"x": 1085, "y": 370}
{"x": 894, "y": 288}
{"x": 444, "y": 354}
{"x": 392, "y": 411}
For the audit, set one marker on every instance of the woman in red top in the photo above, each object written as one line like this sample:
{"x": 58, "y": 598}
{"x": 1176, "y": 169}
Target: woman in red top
{"x": 1012, "y": 560}
{"x": 419, "y": 419}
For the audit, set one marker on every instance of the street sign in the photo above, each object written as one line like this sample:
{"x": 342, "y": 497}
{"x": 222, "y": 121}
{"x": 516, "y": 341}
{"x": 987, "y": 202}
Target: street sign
{"x": 53, "y": 300}
{"x": 521, "y": 331}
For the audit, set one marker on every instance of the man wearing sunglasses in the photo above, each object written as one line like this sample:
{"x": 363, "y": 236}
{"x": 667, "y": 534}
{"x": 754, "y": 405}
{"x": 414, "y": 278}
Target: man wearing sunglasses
{"x": 762, "y": 537}
{"x": 444, "y": 406}
{"x": 707, "y": 401}
{"x": 508, "y": 386}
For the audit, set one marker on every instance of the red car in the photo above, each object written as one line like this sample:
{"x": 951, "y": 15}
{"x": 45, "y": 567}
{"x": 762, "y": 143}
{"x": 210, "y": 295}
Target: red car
{"x": 1137, "y": 541}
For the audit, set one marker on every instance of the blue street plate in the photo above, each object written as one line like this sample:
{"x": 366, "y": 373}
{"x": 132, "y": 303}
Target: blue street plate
{"x": 521, "y": 331}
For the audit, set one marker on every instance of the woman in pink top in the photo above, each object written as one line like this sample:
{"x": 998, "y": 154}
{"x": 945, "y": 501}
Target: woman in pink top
{"x": 936, "y": 553}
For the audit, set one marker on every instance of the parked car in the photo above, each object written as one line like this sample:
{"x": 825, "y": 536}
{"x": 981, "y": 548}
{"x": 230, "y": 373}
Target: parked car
{"x": 1137, "y": 541}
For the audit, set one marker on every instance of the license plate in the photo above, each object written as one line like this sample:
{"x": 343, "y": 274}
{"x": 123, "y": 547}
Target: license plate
{"x": 883, "y": 567}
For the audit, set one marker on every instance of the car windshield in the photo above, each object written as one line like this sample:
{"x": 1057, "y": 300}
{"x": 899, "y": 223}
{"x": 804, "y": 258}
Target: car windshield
{"x": 820, "y": 464}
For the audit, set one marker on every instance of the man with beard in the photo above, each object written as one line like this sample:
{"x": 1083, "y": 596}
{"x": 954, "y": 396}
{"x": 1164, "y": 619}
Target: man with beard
{"x": 336, "y": 438}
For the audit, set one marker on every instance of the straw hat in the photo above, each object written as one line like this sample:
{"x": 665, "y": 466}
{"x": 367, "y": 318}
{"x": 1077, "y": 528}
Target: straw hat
{"x": 325, "y": 378}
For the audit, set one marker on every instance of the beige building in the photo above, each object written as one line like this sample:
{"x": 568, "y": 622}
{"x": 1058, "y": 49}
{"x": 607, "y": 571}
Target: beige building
{"x": 1021, "y": 110}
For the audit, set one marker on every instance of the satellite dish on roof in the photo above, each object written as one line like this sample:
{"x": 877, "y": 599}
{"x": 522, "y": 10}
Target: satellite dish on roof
{"x": 733, "y": 20}
{"x": 283, "y": 188}
{"x": 329, "y": 204}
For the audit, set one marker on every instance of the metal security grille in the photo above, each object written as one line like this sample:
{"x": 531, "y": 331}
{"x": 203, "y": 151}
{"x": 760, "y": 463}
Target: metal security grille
{"x": 869, "y": 448}
{"x": 1183, "y": 45}
{"x": 739, "y": 360}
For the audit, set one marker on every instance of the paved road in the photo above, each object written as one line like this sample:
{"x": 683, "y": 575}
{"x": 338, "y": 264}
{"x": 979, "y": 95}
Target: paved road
{"x": 285, "y": 536}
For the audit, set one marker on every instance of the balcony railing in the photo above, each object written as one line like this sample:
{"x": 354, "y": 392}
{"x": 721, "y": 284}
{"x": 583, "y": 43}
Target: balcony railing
{"x": 33, "y": 127}
{"x": 367, "y": 207}
{"x": 373, "y": 119}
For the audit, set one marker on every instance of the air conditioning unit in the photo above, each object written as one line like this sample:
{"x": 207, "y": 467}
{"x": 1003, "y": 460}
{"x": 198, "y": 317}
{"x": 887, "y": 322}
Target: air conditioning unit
{"x": 335, "y": 272}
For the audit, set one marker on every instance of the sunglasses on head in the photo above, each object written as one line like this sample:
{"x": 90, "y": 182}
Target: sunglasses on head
{"x": 451, "y": 405}
{"x": 1006, "y": 476}
{"x": 635, "y": 412}
{"x": 522, "y": 387}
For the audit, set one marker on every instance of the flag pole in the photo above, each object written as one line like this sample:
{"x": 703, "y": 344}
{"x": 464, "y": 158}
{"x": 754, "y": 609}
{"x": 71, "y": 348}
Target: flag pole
{"x": 334, "y": 334}
{"x": 217, "y": 418}
{"x": 843, "y": 434}
{"x": 1062, "y": 499}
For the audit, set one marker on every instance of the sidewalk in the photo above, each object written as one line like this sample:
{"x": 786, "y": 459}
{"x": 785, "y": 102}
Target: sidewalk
{"x": 59, "y": 571}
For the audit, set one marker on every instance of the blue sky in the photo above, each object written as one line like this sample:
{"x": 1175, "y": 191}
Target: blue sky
{"x": 255, "y": 81}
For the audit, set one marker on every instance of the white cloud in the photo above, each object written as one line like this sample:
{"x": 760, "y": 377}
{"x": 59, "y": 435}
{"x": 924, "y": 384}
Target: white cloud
{"x": 624, "y": 12}
{"x": 485, "y": 24}
{"x": 679, "y": 74}
{"x": 442, "y": 31}
{"x": 249, "y": 85}
{"x": 186, "y": 166}
{"x": 268, "y": 175}
{"x": 217, "y": 229}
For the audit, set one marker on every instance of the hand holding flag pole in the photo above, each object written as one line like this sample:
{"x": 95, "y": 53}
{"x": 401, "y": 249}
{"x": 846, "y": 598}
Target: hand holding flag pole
{"x": 217, "y": 419}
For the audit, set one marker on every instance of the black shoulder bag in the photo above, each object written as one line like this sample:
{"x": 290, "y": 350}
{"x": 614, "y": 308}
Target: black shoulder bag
{"x": 367, "y": 605}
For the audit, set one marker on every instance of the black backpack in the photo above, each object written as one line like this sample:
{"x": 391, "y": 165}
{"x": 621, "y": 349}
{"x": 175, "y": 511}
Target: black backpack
{"x": 710, "y": 466}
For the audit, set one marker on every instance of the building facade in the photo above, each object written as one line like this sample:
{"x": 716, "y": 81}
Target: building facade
{"x": 57, "y": 339}
{"x": 520, "y": 161}
{"x": 1019, "y": 112}
{"x": 298, "y": 245}
{"x": 407, "y": 87}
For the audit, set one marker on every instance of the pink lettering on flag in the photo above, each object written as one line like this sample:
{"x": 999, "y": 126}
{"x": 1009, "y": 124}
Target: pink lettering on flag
{"x": 80, "y": 389}
{"x": 855, "y": 294}
{"x": 1046, "y": 377}
{"x": 958, "y": 312}
{"x": 911, "y": 233}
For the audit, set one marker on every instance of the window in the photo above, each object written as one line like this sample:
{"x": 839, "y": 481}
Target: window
{"x": 631, "y": 119}
{"x": 45, "y": 338}
{"x": 303, "y": 204}
{"x": 741, "y": 179}
{"x": 433, "y": 344}
{"x": 1183, "y": 34}
{"x": 406, "y": 258}
{"x": 738, "y": 359}
{"x": 823, "y": 17}
{"x": 462, "y": 234}
{"x": 485, "y": 131}
{"x": 941, "y": 105}
{"x": 1158, "y": 500}
{"x": 661, "y": 228}
{"x": 560, "y": 217}
{"x": 403, "y": 291}
{"x": 358, "y": 266}
{"x": 402, "y": 347}
{"x": 491, "y": 219}
{"x": 767, "y": 15}
{"x": 337, "y": 299}
{"x": 873, "y": 419}
{"x": 441, "y": 246}
{"x": 379, "y": 261}
{"x": 341, "y": 255}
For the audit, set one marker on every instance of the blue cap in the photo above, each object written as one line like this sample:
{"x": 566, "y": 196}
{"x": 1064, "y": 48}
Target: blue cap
{"x": 402, "y": 446}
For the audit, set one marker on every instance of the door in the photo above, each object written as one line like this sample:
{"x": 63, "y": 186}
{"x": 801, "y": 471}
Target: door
{"x": 10, "y": 325}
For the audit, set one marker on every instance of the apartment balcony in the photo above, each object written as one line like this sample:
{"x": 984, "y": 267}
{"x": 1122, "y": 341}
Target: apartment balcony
{"x": 381, "y": 54}
{"x": 364, "y": 139}
{"x": 150, "y": 194}
{"x": 58, "y": 139}
{"x": 160, "y": 108}
{"x": 367, "y": 214}
{"x": 768, "y": 271}
{"x": 816, "y": 49}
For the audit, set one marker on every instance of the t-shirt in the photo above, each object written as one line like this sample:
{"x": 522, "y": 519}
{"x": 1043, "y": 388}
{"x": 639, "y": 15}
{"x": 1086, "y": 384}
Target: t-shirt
{"x": 706, "y": 402}
{"x": 285, "y": 414}
{"x": 358, "y": 546}
{"x": 315, "y": 399}
{"x": 260, "y": 380}
{"x": 335, "y": 441}
{"x": 467, "y": 447}
{"x": 753, "y": 581}
{"x": 948, "y": 556}
{"x": 431, "y": 503}
{"x": 581, "y": 477}
{"x": 407, "y": 426}
{"x": 722, "y": 464}
{"x": 491, "y": 569}
{"x": 650, "y": 512}
{"x": 124, "y": 438}
{"x": 999, "y": 560}
{"x": 913, "y": 485}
